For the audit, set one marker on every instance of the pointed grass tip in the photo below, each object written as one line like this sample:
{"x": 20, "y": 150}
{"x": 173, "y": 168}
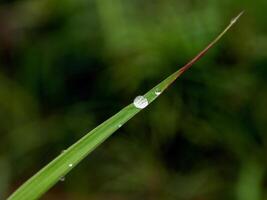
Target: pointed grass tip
{"x": 234, "y": 20}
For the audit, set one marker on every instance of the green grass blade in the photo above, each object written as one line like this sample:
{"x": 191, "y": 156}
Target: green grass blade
{"x": 41, "y": 182}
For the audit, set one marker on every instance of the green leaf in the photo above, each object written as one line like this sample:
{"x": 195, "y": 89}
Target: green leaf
{"x": 41, "y": 182}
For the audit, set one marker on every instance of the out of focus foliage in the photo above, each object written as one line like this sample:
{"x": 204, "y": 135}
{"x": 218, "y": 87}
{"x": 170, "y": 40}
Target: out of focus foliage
{"x": 67, "y": 65}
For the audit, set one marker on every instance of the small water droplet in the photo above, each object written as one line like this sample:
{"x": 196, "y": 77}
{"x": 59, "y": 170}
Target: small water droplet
{"x": 62, "y": 178}
{"x": 63, "y": 151}
{"x": 237, "y": 17}
{"x": 120, "y": 125}
{"x": 70, "y": 165}
{"x": 157, "y": 92}
{"x": 140, "y": 102}
{"x": 233, "y": 21}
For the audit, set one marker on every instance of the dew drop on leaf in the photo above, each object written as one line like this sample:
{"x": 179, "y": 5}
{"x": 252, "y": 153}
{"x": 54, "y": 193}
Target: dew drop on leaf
{"x": 63, "y": 151}
{"x": 140, "y": 102}
{"x": 157, "y": 92}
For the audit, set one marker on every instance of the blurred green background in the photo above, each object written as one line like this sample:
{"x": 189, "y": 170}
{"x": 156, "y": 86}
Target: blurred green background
{"x": 67, "y": 65}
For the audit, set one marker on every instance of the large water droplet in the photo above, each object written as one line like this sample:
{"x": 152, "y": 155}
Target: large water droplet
{"x": 140, "y": 102}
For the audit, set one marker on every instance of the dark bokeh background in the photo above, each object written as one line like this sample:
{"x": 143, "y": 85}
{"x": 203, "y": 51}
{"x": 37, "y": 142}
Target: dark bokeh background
{"x": 67, "y": 65}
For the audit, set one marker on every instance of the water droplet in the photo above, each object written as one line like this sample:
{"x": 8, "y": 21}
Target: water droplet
{"x": 233, "y": 20}
{"x": 63, "y": 151}
{"x": 236, "y": 18}
{"x": 62, "y": 178}
{"x": 157, "y": 92}
{"x": 120, "y": 125}
{"x": 70, "y": 165}
{"x": 140, "y": 102}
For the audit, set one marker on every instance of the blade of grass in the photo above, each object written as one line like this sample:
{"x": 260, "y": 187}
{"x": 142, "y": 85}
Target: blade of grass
{"x": 42, "y": 181}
